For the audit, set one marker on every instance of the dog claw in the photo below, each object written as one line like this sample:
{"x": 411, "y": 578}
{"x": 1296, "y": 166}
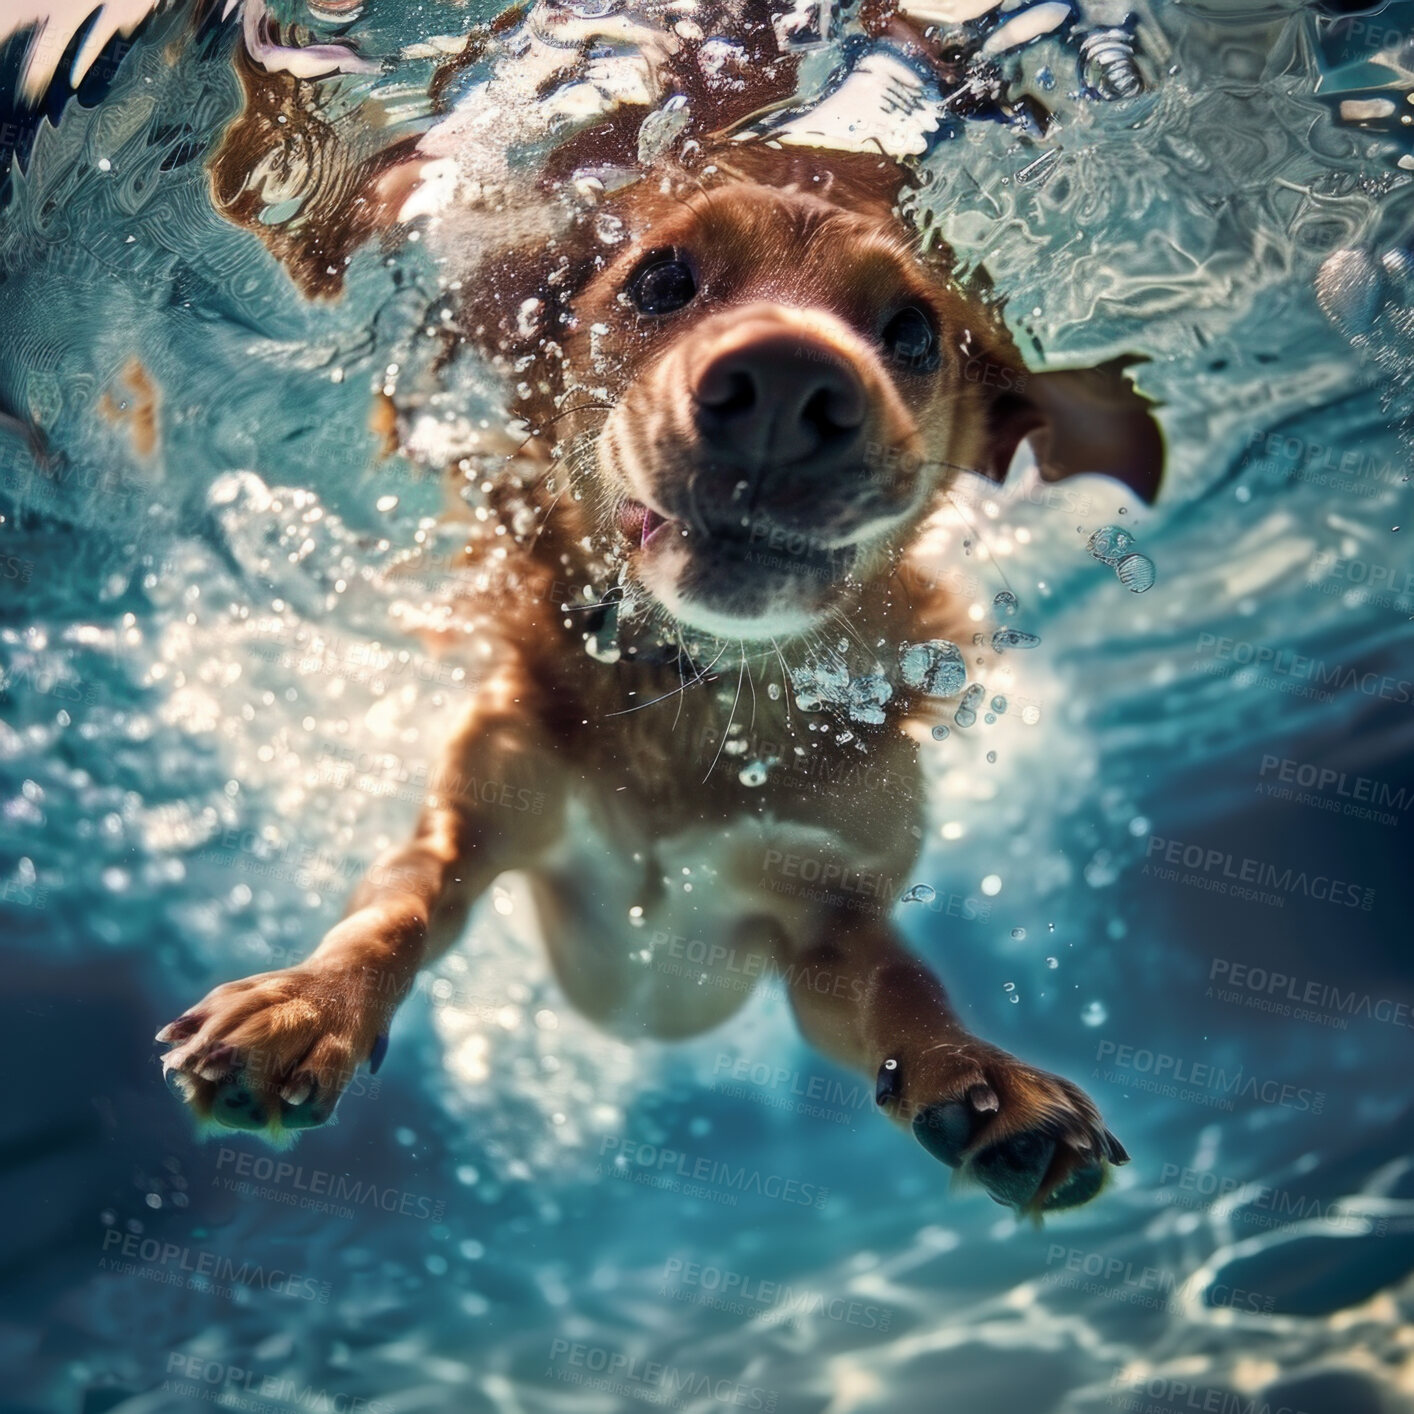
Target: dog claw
{"x": 1115, "y": 1152}
{"x": 219, "y": 1063}
{"x": 297, "y": 1091}
{"x": 186, "y": 1025}
{"x": 983, "y": 1098}
{"x": 183, "y": 1086}
{"x": 380, "y": 1049}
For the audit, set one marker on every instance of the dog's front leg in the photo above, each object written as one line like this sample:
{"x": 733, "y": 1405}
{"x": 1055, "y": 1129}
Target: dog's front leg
{"x": 274, "y": 1052}
{"x": 1034, "y": 1140}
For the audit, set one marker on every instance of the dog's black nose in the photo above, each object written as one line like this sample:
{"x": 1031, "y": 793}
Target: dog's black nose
{"x": 780, "y": 400}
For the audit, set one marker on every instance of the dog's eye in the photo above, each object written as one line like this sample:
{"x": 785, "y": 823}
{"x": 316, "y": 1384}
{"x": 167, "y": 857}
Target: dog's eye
{"x": 910, "y": 339}
{"x": 662, "y": 283}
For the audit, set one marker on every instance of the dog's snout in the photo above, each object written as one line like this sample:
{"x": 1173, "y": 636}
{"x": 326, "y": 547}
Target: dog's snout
{"x": 782, "y": 399}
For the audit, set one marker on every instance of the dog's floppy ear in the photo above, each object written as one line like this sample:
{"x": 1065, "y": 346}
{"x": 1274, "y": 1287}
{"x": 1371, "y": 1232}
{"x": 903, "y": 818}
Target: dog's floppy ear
{"x": 1080, "y": 420}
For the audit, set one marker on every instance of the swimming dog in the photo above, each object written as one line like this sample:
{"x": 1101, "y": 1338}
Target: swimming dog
{"x": 744, "y": 388}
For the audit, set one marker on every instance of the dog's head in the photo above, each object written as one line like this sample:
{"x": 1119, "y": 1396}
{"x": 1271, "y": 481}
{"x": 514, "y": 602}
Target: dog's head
{"x": 787, "y": 395}
{"x": 762, "y": 389}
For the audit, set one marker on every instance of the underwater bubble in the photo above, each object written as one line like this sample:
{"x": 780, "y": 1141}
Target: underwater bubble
{"x": 1008, "y": 986}
{"x": 1136, "y": 573}
{"x": 992, "y": 885}
{"x": 1110, "y": 544}
{"x": 817, "y": 684}
{"x": 773, "y": 691}
{"x": 920, "y": 893}
{"x": 1053, "y": 963}
{"x": 941, "y": 733}
{"x": 999, "y": 705}
{"x": 1095, "y": 1014}
{"x": 991, "y": 755}
{"x": 1005, "y": 603}
{"x": 1107, "y": 66}
{"x": 989, "y": 719}
{"x": 966, "y": 713}
{"x": 608, "y": 228}
{"x": 754, "y": 773}
{"x": 659, "y": 131}
{"x": 866, "y": 696}
{"x": 1015, "y": 638}
{"x": 1018, "y": 932}
{"x": 935, "y": 667}
{"x": 1350, "y": 288}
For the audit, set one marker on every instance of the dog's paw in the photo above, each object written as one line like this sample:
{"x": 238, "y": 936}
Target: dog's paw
{"x": 274, "y": 1052}
{"x": 1033, "y": 1140}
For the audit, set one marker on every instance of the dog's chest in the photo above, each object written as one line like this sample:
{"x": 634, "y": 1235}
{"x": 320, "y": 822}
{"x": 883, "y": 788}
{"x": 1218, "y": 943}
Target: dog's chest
{"x": 669, "y": 933}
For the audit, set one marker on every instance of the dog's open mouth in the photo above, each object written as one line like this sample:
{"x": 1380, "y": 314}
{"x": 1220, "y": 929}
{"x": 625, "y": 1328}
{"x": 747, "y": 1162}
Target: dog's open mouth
{"x": 743, "y": 539}
{"x": 640, "y": 523}
{"x": 735, "y": 574}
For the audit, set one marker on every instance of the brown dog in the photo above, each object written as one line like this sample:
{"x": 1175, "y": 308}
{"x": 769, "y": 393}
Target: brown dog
{"x": 741, "y": 415}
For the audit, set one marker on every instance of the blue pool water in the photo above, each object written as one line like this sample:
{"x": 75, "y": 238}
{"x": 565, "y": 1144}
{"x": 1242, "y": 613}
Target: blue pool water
{"x": 1175, "y": 867}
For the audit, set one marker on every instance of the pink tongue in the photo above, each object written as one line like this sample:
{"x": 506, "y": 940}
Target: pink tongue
{"x": 651, "y": 521}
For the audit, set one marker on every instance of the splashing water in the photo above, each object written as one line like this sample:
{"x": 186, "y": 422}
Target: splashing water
{"x": 936, "y": 668}
{"x": 219, "y": 704}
